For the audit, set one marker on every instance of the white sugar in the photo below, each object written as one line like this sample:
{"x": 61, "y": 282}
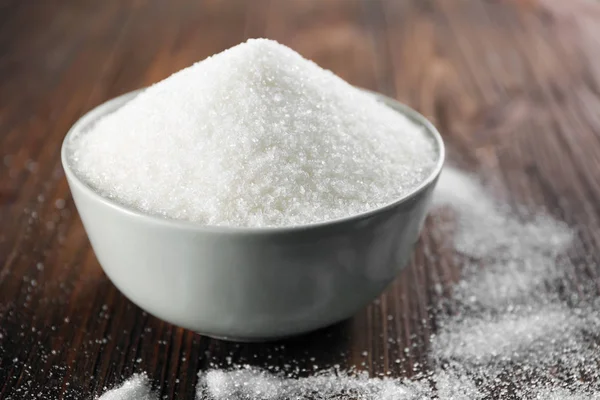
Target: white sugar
{"x": 244, "y": 383}
{"x": 563, "y": 394}
{"x": 486, "y": 228}
{"x": 254, "y": 136}
{"x": 505, "y": 337}
{"x": 251, "y": 383}
{"x": 135, "y": 388}
{"x": 455, "y": 387}
{"x": 510, "y": 328}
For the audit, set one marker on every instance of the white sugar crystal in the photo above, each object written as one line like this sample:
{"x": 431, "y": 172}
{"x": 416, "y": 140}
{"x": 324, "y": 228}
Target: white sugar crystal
{"x": 254, "y": 136}
{"x": 135, "y": 388}
{"x": 455, "y": 387}
{"x": 563, "y": 394}
{"x": 243, "y": 383}
{"x": 251, "y": 383}
{"x": 513, "y": 326}
{"x": 507, "y": 337}
{"x": 487, "y": 228}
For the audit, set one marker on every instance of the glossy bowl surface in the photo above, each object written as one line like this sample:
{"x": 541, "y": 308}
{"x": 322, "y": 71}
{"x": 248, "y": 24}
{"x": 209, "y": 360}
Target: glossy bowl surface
{"x": 250, "y": 284}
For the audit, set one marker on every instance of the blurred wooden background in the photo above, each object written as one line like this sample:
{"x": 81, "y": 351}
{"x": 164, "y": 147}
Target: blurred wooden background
{"x": 514, "y": 87}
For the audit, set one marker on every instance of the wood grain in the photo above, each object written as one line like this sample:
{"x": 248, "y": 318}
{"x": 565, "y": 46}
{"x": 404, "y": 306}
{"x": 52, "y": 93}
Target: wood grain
{"x": 514, "y": 87}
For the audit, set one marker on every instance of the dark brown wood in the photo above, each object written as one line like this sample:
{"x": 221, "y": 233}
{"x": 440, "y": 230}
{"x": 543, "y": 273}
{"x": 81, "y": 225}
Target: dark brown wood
{"x": 514, "y": 87}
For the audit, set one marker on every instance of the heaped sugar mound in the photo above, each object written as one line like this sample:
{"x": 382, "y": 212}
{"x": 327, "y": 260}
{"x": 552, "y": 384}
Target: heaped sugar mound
{"x": 254, "y": 136}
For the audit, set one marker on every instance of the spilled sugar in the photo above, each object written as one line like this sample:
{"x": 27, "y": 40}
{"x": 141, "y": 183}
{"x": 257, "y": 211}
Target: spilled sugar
{"x": 509, "y": 328}
{"x": 487, "y": 229}
{"x": 509, "y": 337}
{"x": 254, "y": 136}
{"x": 135, "y": 388}
{"x": 253, "y": 383}
{"x": 509, "y": 333}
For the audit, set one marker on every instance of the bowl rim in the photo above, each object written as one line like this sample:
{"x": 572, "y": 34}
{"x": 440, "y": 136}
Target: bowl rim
{"x": 113, "y": 104}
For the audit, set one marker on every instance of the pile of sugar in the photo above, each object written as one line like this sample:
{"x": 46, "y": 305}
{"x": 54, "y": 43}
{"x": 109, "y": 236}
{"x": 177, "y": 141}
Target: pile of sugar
{"x": 251, "y": 383}
{"x": 135, "y": 388}
{"x": 254, "y": 136}
{"x": 509, "y": 330}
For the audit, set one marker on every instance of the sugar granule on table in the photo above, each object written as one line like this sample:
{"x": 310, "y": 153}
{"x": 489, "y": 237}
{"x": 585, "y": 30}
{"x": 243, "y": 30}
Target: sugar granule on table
{"x": 254, "y": 136}
{"x": 511, "y": 336}
{"x": 254, "y": 383}
{"x": 137, "y": 387}
{"x": 512, "y": 327}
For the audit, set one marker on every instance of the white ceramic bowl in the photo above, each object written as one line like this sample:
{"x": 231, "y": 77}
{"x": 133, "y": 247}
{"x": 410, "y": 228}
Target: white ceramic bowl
{"x": 251, "y": 284}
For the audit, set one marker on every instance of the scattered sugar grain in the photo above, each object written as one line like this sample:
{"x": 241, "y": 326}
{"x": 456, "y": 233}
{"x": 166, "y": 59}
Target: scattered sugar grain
{"x": 486, "y": 228}
{"x": 31, "y": 166}
{"x": 137, "y": 387}
{"x": 455, "y": 387}
{"x": 254, "y": 136}
{"x": 505, "y": 284}
{"x": 563, "y": 394}
{"x": 509, "y": 260}
{"x": 508, "y": 337}
{"x": 507, "y": 308}
{"x": 251, "y": 383}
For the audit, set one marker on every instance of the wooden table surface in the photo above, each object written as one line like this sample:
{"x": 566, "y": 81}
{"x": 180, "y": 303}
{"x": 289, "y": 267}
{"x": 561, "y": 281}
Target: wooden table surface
{"x": 514, "y": 87}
